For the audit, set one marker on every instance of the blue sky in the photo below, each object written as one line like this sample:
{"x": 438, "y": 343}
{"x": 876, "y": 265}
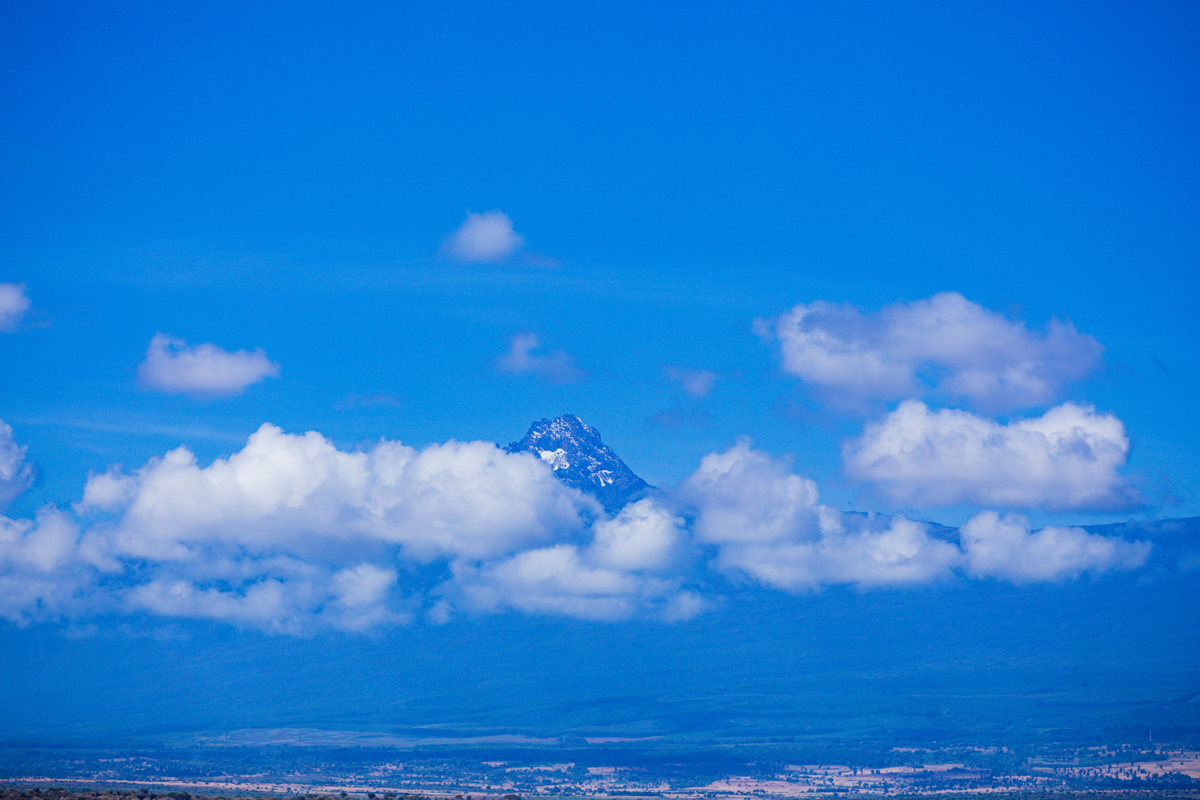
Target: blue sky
{"x": 835, "y": 229}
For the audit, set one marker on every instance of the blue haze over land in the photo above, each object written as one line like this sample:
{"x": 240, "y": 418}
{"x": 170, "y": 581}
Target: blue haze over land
{"x": 886, "y": 316}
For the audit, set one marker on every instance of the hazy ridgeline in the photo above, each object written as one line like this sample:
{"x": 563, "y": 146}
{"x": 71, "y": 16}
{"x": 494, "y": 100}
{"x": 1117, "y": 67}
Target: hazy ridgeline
{"x": 1114, "y": 658}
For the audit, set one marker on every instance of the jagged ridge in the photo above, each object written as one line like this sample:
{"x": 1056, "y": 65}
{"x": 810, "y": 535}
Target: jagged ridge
{"x": 579, "y": 458}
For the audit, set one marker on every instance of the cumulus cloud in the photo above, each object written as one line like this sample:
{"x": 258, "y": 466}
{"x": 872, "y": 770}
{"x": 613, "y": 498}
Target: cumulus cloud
{"x": 945, "y": 345}
{"x": 300, "y": 494}
{"x": 1005, "y": 547}
{"x": 205, "y": 370}
{"x": 559, "y": 580}
{"x": 16, "y": 475}
{"x": 745, "y": 495}
{"x": 696, "y": 382}
{"x": 283, "y": 519}
{"x": 1065, "y": 459}
{"x": 42, "y": 575}
{"x": 13, "y": 305}
{"x": 903, "y": 553}
{"x": 556, "y": 366}
{"x": 292, "y": 535}
{"x": 485, "y": 237}
{"x": 42, "y": 545}
{"x": 643, "y": 536}
{"x": 623, "y": 571}
{"x": 766, "y": 523}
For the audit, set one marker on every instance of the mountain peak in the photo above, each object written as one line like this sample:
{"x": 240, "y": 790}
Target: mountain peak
{"x": 580, "y": 458}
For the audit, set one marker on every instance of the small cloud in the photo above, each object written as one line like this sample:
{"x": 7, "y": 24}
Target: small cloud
{"x": 206, "y": 370}
{"x": 556, "y": 366}
{"x": 696, "y": 382}
{"x": 13, "y": 305}
{"x": 485, "y": 237}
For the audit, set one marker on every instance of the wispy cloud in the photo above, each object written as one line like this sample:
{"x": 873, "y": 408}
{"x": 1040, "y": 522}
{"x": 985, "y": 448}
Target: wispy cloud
{"x": 204, "y": 370}
{"x": 695, "y": 382}
{"x": 521, "y": 359}
{"x": 16, "y": 475}
{"x": 1065, "y": 459}
{"x": 377, "y": 400}
{"x": 13, "y": 305}
{"x": 484, "y": 237}
{"x": 676, "y": 418}
{"x": 945, "y": 346}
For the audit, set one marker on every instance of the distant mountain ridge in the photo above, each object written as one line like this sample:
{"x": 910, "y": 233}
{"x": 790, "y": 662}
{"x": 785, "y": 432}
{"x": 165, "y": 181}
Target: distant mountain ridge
{"x": 580, "y": 459}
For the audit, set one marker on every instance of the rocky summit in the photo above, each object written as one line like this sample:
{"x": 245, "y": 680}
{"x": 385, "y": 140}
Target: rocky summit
{"x": 579, "y": 458}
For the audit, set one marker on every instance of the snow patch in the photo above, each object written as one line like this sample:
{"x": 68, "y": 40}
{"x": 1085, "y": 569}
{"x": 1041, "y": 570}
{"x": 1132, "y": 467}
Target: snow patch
{"x": 557, "y": 459}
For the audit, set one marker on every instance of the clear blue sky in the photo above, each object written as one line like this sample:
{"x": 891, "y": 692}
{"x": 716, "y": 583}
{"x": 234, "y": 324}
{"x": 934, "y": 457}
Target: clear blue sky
{"x": 290, "y": 178}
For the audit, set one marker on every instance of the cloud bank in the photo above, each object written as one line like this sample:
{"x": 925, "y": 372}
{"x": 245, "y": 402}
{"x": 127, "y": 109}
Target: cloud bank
{"x": 205, "y": 370}
{"x": 1065, "y": 459}
{"x": 945, "y": 346}
{"x": 293, "y": 536}
{"x": 13, "y": 305}
{"x": 485, "y": 237}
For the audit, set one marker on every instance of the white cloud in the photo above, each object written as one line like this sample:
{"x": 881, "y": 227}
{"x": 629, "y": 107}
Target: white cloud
{"x": 15, "y": 474}
{"x": 560, "y": 581}
{"x": 553, "y": 580}
{"x": 1066, "y": 459}
{"x": 745, "y": 496}
{"x": 556, "y": 367}
{"x": 901, "y": 554}
{"x": 41, "y": 572}
{"x": 42, "y": 545}
{"x": 643, "y": 536}
{"x": 300, "y": 494}
{"x": 1006, "y": 548}
{"x": 767, "y": 523}
{"x": 945, "y": 345}
{"x": 354, "y": 598}
{"x": 206, "y": 370}
{"x": 13, "y": 305}
{"x": 696, "y": 382}
{"x": 623, "y": 572}
{"x": 485, "y": 237}
{"x": 292, "y": 535}
{"x": 41, "y": 569}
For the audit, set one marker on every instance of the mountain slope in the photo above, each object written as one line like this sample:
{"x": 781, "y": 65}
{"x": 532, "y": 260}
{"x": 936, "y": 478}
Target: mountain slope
{"x": 580, "y": 459}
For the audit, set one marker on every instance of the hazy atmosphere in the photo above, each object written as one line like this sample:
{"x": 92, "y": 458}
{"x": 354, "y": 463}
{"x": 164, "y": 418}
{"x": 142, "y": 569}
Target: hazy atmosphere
{"x": 577, "y": 374}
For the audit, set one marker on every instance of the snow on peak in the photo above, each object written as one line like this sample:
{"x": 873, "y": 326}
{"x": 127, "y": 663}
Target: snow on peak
{"x": 579, "y": 458}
